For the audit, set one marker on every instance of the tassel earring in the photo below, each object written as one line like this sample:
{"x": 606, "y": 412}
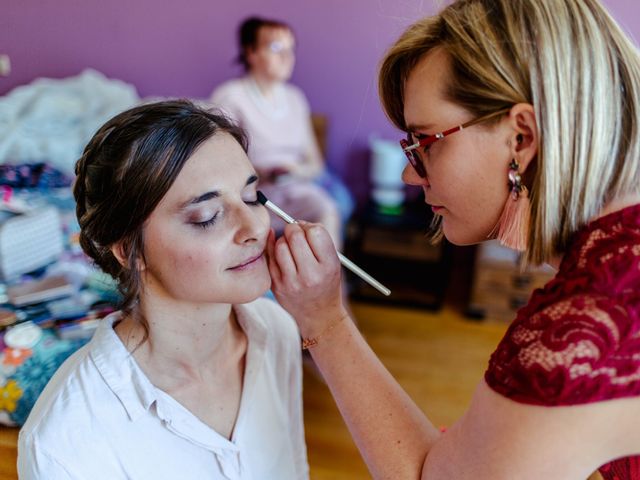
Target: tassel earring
{"x": 513, "y": 226}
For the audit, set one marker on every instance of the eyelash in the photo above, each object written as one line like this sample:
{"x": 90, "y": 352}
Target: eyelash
{"x": 206, "y": 224}
{"x": 209, "y": 223}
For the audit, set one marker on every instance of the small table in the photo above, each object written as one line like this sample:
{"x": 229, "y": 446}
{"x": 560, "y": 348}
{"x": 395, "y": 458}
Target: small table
{"x": 395, "y": 250}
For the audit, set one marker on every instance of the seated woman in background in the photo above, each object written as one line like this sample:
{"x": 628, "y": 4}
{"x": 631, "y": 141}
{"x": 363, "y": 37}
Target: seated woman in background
{"x": 196, "y": 376}
{"x": 277, "y": 118}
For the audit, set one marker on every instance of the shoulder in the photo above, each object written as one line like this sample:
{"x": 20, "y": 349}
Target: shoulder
{"x": 231, "y": 89}
{"x": 232, "y": 100}
{"x": 576, "y": 341}
{"x": 578, "y": 348}
{"x": 295, "y": 94}
{"x": 294, "y": 90}
{"x": 64, "y": 383}
{"x": 73, "y": 396}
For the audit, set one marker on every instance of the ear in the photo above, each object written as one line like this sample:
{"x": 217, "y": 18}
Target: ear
{"x": 119, "y": 252}
{"x": 250, "y": 55}
{"x": 525, "y": 136}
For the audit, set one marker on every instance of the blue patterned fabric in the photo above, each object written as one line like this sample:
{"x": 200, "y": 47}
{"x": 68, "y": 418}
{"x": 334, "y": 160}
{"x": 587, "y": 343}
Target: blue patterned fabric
{"x": 25, "y": 373}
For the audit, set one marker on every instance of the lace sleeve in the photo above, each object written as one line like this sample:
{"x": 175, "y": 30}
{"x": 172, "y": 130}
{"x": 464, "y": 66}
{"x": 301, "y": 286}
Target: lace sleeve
{"x": 580, "y": 349}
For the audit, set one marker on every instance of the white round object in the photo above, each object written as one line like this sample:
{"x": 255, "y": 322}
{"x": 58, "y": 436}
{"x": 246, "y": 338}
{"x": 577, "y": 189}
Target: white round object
{"x": 387, "y": 162}
{"x": 388, "y": 197}
{"x": 25, "y": 335}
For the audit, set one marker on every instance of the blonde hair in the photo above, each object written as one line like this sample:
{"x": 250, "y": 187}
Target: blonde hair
{"x": 573, "y": 63}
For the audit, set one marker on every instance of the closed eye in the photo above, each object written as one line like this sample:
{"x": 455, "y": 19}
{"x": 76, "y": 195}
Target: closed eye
{"x": 207, "y": 223}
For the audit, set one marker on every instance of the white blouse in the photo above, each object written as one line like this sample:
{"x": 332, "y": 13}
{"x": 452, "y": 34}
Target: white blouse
{"x": 278, "y": 136}
{"x": 101, "y": 418}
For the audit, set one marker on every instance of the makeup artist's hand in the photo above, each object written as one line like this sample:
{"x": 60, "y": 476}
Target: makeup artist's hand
{"x": 305, "y": 272}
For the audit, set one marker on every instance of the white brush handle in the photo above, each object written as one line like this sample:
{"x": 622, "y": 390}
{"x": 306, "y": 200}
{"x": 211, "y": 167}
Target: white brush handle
{"x": 343, "y": 260}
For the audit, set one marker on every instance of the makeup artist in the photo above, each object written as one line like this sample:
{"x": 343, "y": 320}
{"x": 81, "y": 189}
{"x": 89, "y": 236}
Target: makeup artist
{"x": 522, "y": 122}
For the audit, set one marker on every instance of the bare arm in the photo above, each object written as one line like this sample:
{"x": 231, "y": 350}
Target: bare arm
{"x": 391, "y": 432}
{"x": 382, "y": 419}
{"x": 496, "y": 439}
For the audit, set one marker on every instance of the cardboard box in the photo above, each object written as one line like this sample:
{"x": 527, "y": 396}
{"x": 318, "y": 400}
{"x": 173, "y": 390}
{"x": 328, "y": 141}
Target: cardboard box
{"x": 499, "y": 286}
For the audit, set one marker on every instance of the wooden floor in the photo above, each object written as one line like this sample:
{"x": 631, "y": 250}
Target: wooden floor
{"x": 437, "y": 357}
{"x": 8, "y": 452}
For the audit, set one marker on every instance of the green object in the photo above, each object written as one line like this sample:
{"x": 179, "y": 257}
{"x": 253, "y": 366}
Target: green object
{"x": 386, "y": 210}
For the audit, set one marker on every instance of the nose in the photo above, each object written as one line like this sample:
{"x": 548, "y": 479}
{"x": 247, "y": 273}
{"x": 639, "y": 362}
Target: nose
{"x": 411, "y": 177}
{"x": 252, "y": 223}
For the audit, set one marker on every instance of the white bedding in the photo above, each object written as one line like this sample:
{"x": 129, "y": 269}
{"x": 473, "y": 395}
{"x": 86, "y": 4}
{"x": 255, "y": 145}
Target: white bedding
{"x": 51, "y": 120}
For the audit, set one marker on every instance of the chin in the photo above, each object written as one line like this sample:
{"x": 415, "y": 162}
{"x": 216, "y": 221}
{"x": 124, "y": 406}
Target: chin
{"x": 234, "y": 292}
{"x": 257, "y": 289}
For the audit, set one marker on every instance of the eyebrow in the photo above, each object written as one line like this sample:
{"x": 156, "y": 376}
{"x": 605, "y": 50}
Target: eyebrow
{"x": 413, "y": 127}
{"x": 213, "y": 194}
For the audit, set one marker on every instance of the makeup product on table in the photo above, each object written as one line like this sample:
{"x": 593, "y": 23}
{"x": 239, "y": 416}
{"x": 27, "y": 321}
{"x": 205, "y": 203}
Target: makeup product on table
{"x": 343, "y": 260}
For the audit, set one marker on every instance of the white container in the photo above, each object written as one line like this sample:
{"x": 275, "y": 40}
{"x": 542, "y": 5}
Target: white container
{"x": 387, "y": 162}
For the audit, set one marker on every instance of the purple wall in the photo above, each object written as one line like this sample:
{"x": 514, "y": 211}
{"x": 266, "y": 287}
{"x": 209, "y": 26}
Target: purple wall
{"x": 185, "y": 48}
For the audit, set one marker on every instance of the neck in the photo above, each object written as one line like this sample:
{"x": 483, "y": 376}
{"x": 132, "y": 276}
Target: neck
{"x": 184, "y": 339}
{"x": 265, "y": 85}
{"x": 619, "y": 203}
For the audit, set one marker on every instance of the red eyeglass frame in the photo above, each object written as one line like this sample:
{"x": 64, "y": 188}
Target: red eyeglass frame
{"x": 409, "y": 150}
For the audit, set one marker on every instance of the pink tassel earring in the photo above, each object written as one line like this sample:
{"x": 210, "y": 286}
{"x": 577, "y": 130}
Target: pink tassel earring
{"x": 513, "y": 226}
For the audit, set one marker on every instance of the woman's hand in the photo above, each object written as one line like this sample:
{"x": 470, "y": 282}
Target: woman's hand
{"x": 305, "y": 273}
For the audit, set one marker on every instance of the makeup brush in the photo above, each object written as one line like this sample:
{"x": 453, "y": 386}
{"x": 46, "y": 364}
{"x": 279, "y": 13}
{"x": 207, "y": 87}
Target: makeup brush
{"x": 343, "y": 260}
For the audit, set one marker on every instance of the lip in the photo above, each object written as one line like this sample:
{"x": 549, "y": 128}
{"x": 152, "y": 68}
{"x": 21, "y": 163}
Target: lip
{"x": 250, "y": 262}
{"x": 433, "y": 206}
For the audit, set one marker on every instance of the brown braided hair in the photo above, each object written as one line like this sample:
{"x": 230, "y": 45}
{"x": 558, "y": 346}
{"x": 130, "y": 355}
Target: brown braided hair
{"x": 125, "y": 171}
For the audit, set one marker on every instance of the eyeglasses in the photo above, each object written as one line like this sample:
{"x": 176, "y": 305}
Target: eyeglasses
{"x": 278, "y": 47}
{"x": 410, "y": 149}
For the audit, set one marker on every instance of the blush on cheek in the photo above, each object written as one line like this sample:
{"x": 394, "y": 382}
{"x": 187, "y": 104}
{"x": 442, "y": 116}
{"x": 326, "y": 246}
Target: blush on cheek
{"x": 176, "y": 264}
{"x": 190, "y": 262}
{"x": 187, "y": 274}
{"x": 184, "y": 258}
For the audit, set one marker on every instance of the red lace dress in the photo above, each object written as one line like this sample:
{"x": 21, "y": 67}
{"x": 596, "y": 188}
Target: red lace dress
{"x": 578, "y": 339}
